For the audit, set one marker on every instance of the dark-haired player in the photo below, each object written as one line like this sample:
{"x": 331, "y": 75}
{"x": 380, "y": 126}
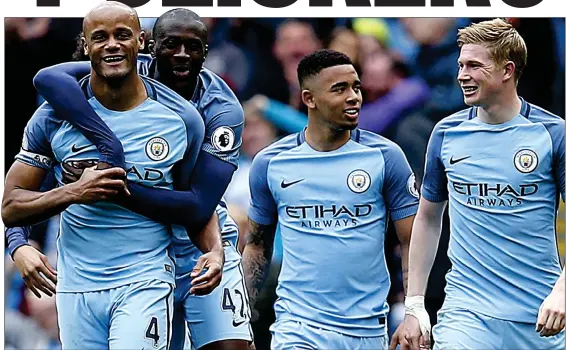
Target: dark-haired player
{"x": 330, "y": 190}
{"x": 116, "y": 276}
{"x": 219, "y": 320}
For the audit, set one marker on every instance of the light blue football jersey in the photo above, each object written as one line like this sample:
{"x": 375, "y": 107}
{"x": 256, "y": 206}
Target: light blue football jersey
{"x": 223, "y": 118}
{"x": 103, "y": 245}
{"x": 502, "y": 183}
{"x": 332, "y": 210}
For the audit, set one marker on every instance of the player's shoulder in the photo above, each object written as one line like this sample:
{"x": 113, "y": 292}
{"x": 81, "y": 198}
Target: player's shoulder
{"x": 540, "y": 115}
{"x": 171, "y": 101}
{"x": 284, "y": 144}
{"x": 44, "y": 116}
{"x": 215, "y": 96}
{"x": 454, "y": 120}
{"x": 370, "y": 139}
{"x": 380, "y": 143}
{"x": 214, "y": 87}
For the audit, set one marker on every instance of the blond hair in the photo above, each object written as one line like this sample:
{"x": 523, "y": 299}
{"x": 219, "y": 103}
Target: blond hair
{"x": 501, "y": 39}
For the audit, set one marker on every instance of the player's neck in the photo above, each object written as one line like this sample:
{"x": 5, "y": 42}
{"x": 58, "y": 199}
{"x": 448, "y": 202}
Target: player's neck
{"x": 323, "y": 138}
{"x": 186, "y": 89}
{"x": 506, "y": 108}
{"x": 122, "y": 95}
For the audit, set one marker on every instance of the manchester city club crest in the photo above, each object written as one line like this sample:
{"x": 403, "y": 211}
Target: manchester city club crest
{"x": 157, "y": 148}
{"x": 359, "y": 181}
{"x": 526, "y": 160}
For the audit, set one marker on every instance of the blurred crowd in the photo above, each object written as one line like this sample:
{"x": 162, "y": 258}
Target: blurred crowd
{"x": 408, "y": 69}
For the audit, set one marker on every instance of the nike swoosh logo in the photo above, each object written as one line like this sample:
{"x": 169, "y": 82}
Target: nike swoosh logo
{"x": 285, "y": 185}
{"x": 78, "y": 149}
{"x": 454, "y": 161}
{"x": 236, "y": 324}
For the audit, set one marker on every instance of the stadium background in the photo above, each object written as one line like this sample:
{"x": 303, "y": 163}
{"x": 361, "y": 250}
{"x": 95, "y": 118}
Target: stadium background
{"x": 408, "y": 70}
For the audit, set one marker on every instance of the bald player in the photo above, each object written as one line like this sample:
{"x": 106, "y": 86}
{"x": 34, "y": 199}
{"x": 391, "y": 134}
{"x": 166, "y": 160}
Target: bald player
{"x": 115, "y": 276}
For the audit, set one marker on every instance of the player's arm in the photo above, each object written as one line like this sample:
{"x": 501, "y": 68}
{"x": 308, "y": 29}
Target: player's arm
{"x": 33, "y": 266}
{"x": 192, "y": 204}
{"x": 23, "y": 204}
{"x": 424, "y": 241}
{"x": 403, "y": 229}
{"x": 208, "y": 241}
{"x": 551, "y": 314}
{"x": 401, "y": 199}
{"x": 257, "y": 257}
{"x": 189, "y": 207}
{"x": 262, "y": 214}
{"x": 557, "y": 135}
{"x": 19, "y": 236}
{"x": 59, "y": 86}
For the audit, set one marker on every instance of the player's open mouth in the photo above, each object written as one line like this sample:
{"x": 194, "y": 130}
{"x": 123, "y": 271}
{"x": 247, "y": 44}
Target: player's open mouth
{"x": 115, "y": 59}
{"x": 181, "y": 71}
{"x": 469, "y": 90}
{"x": 352, "y": 112}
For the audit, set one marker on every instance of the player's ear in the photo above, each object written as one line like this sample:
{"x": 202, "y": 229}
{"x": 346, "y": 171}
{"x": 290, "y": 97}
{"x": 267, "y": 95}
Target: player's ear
{"x": 508, "y": 70}
{"x": 141, "y": 40}
{"x": 85, "y": 45}
{"x": 205, "y": 52}
{"x": 151, "y": 47}
{"x": 308, "y": 98}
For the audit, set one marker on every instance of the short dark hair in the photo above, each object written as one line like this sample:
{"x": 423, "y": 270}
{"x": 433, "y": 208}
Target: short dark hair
{"x": 181, "y": 14}
{"x": 315, "y": 62}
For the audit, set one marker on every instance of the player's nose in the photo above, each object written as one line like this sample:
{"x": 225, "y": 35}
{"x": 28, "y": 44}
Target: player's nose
{"x": 182, "y": 53}
{"x": 463, "y": 75}
{"x": 112, "y": 44}
{"x": 352, "y": 98}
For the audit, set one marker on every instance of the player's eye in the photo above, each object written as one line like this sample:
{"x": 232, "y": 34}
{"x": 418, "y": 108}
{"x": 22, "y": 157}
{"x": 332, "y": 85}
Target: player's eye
{"x": 171, "y": 44}
{"x": 194, "y": 47}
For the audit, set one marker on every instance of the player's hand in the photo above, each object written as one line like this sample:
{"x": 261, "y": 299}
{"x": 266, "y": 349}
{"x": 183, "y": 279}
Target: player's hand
{"x": 99, "y": 185}
{"x": 398, "y": 338}
{"x": 103, "y": 165}
{"x": 417, "y": 323}
{"x": 73, "y": 170}
{"x": 34, "y": 268}
{"x": 551, "y": 314}
{"x": 252, "y": 346}
{"x": 213, "y": 262}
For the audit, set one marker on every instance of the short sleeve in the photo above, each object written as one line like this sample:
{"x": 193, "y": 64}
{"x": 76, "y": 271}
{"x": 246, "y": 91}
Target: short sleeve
{"x": 556, "y": 131}
{"x": 400, "y": 191}
{"x": 263, "y": 208}
{"x": 434, "y": 187}
{"x": 224, "y": 131}
{"x": 36, "y": 148}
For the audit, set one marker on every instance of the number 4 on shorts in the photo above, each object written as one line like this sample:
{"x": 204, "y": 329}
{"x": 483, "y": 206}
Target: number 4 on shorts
{"x": 152, "y": 332}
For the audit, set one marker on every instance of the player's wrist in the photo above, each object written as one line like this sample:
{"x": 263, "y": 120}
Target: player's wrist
{"x": 415, "y": 302}
{"x": 559, "y": 287}
{"x": 17, "y": 249}
{"x": 71, "y": 193}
